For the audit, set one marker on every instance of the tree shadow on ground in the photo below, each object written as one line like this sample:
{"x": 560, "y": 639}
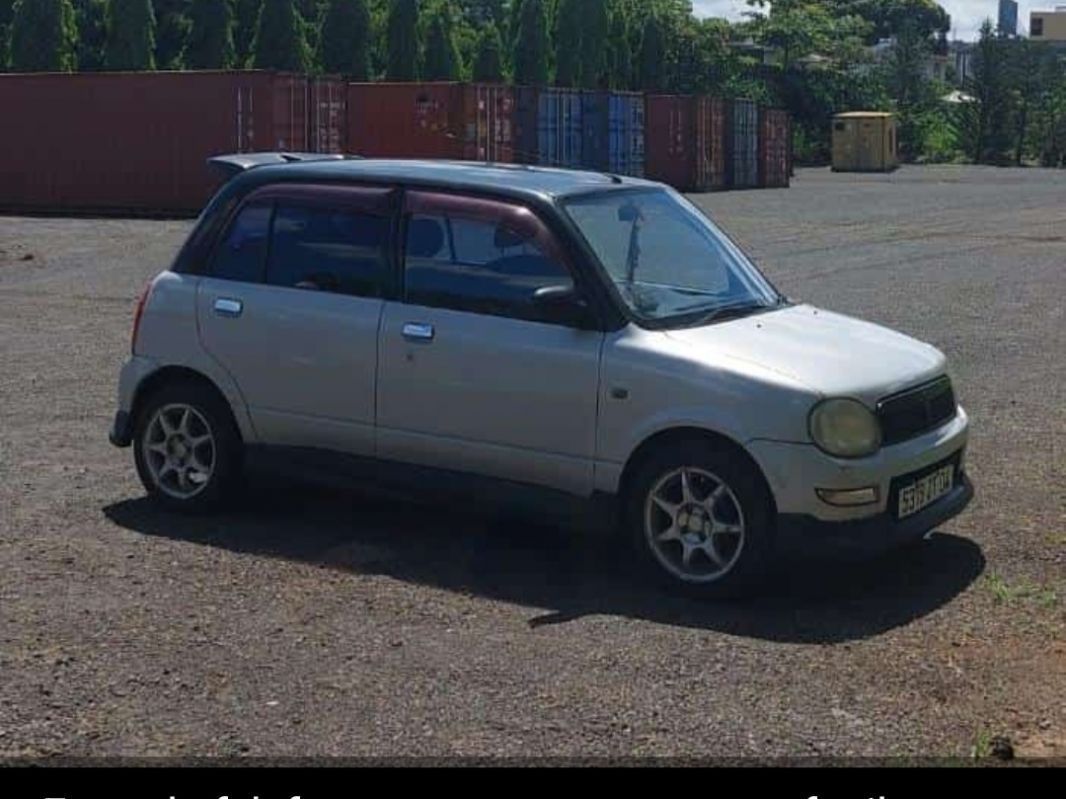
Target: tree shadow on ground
{"x": 558, "y": 569}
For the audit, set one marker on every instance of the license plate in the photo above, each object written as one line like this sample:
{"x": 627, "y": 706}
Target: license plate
{"x": 925, "y": 491}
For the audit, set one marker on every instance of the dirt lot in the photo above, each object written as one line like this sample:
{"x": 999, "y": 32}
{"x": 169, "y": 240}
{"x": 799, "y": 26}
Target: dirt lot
{"x": 323, "y": 624}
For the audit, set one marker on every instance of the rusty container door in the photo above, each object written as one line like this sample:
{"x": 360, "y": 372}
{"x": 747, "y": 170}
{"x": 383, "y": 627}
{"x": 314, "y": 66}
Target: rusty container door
{"x": 709, "y": 150}
{"x": 483, "y": 118}
{"x": 328, "y": 111}
{"x": 668, "y": 140}
{"x": 775, "y": 131}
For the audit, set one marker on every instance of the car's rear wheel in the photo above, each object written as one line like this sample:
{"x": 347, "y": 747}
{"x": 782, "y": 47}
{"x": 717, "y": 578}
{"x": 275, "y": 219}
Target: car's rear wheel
{"x": 700, "y": 518}
{"x": 187, "y": 449}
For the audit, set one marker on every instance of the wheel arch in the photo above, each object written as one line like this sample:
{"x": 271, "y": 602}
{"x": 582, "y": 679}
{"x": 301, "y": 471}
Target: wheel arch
{"x": 171, "y": 375}
{"x": 684, "y": 434}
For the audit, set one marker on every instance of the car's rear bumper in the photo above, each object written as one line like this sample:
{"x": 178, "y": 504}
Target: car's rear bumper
{"x": 800, "y": 535}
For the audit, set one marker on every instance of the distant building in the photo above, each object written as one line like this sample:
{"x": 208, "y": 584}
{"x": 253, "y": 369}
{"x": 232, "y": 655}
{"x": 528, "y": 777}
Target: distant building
{"x": 1048, "y": 26}
{"x": 961, "y": 54}
{"x": 1008, "y": 17}
{"x": 935, "y": 66}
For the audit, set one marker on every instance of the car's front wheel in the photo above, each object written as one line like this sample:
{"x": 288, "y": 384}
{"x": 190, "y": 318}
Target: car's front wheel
{"x": 186, "y": 447}
{"x": 700, "y": 519}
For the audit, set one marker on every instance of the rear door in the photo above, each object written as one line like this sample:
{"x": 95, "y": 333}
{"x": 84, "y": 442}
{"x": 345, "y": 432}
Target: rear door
{"x": 291, "y": 305}
{"x": 473, "y": 375}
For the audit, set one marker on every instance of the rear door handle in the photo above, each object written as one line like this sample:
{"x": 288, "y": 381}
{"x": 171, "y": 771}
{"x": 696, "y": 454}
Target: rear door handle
{"x": 227, "y": 307}
{"x": 414, "y": 331}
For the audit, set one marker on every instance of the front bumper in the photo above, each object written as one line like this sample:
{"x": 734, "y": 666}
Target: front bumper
{"x": 799, "y": 534}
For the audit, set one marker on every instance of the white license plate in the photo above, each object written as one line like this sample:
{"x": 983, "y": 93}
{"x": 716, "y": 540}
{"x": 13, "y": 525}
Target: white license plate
{"x": 924, "y": 492}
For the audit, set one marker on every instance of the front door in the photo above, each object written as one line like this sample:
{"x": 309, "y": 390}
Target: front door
{"x": 290, "y": 307}
{"x": 474, "y": 375}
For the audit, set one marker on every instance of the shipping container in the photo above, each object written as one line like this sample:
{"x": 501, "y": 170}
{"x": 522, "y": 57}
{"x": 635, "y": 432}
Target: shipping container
{"x": 613, "y": 132}
{"x": 775, "y": 138}
{"x": 865, "y": 141}
{"x": 138, "y": 141}
{"x": 742, "y": 141}
{"x": 685, "y": 141}
{"x": 560, "y": 127}
{"x": 328, "y": 115}
{"x": 458, "y": 121}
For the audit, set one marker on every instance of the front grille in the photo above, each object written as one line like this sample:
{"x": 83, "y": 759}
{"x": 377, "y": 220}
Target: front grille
{"x": 918, "y": 410}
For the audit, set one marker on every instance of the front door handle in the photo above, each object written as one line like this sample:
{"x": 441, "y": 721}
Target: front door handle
{"x": 415, "y": 331}
{"x": 227, "y": 307}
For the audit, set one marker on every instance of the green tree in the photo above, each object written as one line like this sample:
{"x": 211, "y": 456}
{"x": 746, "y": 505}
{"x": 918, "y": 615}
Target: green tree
{"x": 595, "y": 39}
{"x": 130, "y": 26}
{"x": 568, "y": 43}
{"x": 210, "y": 42}
{"x": 245, "y": 20}
{"x": 171, "y": 31}
{"x": 402, "y": 41}
{"x": 91, "y": 21}
{"x": 441, "y": 58}
{"x": 344, "y": 43}
{"x": 6, "y": 11}
{"x": 984, "y": 123}
{"x": 531, "y": 45}
{"x": 281, "y": 38}
{"x": 652, "y": 63}
{"x": 619, "y": 50}
{"x": 43, "y": 36}
{"x": 488, "y": 62}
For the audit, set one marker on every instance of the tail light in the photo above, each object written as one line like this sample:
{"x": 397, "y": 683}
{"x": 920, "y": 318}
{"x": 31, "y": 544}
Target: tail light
{"x": 138, "y": 314}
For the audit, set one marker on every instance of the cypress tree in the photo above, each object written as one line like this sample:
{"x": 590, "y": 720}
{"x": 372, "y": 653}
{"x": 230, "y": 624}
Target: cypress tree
{"x": 488, "y": 63}
{"x": 280, "y": 38}
{"x": 652, "y": 56}
{"x": 90, "y": 17}
{"x": 130, "y": 28}
{"x": 171, "y": 31}
{"x": 245, "y": 20}
{"x": 344, "y": 43}
{"x": 402, "y": 41}
{"x": 442, "y": 56}
{"x": 7, "y": 8}
{"x": 210, "y": 42}
{"x": 595, "y": 33}
{"x": 619, "y": 51}
{"x": 568, "y": 59}
{"x": 531, "y": 45}
{"x": 43, "y": 36}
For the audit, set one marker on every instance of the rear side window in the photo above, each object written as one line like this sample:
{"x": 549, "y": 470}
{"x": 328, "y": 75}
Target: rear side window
{"x": 341, "y": 251}
{"x": 243, "y": 252}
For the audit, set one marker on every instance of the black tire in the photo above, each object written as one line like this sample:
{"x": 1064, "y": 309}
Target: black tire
{"x": 227, "y": 447}
{"x": 752, "y": 562}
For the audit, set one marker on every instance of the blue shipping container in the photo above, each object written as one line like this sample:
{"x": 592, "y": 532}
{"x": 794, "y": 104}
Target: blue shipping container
{"x": 613, "y": 128}
{"x": 560, "y": 128}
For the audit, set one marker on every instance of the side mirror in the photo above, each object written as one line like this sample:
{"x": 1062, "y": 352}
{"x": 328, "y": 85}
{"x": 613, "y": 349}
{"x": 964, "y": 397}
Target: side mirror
{"x": 563, "y": 303}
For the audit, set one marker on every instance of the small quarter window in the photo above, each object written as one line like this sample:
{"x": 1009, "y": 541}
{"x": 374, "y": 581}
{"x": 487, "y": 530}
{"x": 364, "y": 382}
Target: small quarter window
{"x": 242, "y": 253}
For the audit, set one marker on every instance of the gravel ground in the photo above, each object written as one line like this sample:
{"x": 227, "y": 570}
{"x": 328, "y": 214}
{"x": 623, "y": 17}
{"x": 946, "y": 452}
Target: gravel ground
{"x": 313, "y": 623}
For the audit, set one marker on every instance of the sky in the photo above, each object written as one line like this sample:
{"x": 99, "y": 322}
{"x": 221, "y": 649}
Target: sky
{"x": 966, "y": 15}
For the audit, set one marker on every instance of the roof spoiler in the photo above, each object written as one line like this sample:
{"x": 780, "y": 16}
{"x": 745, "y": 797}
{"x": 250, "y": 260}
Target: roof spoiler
{"x": 231, "y": 165}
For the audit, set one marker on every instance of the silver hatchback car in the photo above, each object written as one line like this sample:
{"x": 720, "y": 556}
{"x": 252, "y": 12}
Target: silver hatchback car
{"x": 577, "y": 334}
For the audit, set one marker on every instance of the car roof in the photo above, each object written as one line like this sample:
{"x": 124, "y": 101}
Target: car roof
{"x": 510, "y": 179}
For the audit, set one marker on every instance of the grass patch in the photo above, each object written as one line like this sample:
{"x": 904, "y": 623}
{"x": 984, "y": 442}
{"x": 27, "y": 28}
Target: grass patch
{"x": 1004, "y": 593}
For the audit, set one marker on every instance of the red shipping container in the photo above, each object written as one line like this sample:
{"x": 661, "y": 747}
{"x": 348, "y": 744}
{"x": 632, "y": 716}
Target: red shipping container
{"x": 328, "y": 115}
{"x": 457, "y": 121}
{"x": 684, "y": 144}
{"x": 775, "y": 135}
{"x": 138, "y": 141}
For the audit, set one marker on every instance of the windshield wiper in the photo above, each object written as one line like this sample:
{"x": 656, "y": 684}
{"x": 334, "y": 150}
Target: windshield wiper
{"x": 735, "y": 312}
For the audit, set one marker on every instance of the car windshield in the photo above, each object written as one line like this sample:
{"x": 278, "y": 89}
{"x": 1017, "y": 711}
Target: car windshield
{"x": 667, "y": 260}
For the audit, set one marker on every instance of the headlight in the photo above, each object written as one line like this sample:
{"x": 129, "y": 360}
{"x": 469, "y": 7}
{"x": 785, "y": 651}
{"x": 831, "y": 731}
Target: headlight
{"x": 845, "y": 428}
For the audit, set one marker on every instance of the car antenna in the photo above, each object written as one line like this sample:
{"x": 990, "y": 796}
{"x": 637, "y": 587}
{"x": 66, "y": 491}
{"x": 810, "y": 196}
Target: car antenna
{"x": 613, "y": 178}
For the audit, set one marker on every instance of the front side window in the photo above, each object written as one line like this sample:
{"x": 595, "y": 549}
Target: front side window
{"x": 666, "y": 259}
{"x": 341, "y": 251}
{"x": 488, "y": 261}
{"x": 242, "y": 254}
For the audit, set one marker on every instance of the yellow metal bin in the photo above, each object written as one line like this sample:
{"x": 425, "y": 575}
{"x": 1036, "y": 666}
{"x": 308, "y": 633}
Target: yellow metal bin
{"x": 865, "y": 141}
